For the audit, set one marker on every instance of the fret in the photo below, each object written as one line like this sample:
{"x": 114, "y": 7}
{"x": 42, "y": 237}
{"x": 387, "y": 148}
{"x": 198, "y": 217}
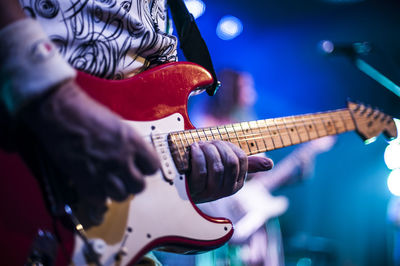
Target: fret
{"x": 232, "y": 135}
{"x": 195, "y": 135}
{"x": 291, "y": 127}
{"x": 310, "y": 127}
{"x": 269, "y": 142}
{"x": 189, "y": 137}
{"x": 244, "y": 145}
{"x": 301, "y": 129}
{"x": 202, "y": 135}
{"x": 208, "y": 134}
{"x": 274, "y": 133}
{"x": 283, "y": 132}
{"x": 348, "y": 120}
{"x": 342, "y": 118}
{"x": 337, "y": 121}
{"x": 319, "y": 125}
{"x": 301, "y": 118}
{"x": 184, "y": 140}
{"x": 330, "y": 127}
{"x": 215, "y": 133}
{"x": 223, "y": 133}
{"x": 176, "y": 145}
{"x": 255, "y": 131}
{"x": 250, "y": 137}
{"x": 178, "y": 152}
{"x": 245, "y": 128}
{"x": 181, "y": 145}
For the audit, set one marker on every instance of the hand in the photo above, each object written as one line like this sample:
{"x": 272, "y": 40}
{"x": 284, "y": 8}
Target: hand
{"x": 219, "y": 169}
{"x": 87, "y": 143}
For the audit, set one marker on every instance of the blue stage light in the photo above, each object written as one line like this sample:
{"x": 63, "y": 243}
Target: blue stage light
{"x": 392, "y": 155}
{"x": 393, "y": 182}
{"x": 195, "y": 7}
{"x": 229, "y": 27}
{"x": 326, "y": 46}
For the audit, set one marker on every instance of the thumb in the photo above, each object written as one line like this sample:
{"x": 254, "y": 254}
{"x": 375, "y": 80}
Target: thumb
{"x": 257, "y": 164}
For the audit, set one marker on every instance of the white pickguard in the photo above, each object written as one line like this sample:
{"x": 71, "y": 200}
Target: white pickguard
{"x": 161, "y": 210}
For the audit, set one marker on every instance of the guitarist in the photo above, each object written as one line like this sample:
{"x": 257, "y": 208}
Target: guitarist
{"x": 42, "y": 43}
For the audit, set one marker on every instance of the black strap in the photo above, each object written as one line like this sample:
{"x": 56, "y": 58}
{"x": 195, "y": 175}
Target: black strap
{"x": 192, "y": 44}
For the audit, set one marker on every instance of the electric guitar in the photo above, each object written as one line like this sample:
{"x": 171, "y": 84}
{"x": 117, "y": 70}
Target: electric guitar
{"x": 163, "y": 215}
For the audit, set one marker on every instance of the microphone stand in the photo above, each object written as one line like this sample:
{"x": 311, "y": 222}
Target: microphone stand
{"x": 373, "y": 73}
{"x": 354, "y": 53}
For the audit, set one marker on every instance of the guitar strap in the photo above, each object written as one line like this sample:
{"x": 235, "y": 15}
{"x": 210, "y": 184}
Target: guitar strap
{"x": 192, "y": 44}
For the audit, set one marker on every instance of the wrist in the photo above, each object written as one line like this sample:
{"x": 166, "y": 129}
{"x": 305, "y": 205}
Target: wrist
{"x": 30, "y": 65}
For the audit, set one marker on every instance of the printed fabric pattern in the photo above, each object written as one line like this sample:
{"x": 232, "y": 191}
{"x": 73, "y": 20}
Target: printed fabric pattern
{"x": 111, "y": 39}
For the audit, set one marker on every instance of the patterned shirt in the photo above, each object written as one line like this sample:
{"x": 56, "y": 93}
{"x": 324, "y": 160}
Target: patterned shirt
{"x": 111, "y": 39}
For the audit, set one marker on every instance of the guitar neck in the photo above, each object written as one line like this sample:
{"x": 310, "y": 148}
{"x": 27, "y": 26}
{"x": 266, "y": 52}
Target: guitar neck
{"x": 264, "y": 135}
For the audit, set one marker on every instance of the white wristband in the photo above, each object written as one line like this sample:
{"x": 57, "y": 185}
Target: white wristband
{"x": 30, "y": 64}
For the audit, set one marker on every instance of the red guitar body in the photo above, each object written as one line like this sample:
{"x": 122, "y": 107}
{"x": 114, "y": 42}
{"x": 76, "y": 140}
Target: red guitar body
{"x": 152, "y": 95}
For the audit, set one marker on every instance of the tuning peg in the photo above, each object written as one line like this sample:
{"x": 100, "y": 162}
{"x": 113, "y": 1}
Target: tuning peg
{"x": 377, "y": 113}
{"x": 370, "y": 110}
{"x": 390, "y": 120}
{"x": 358, "y": 106}
{"x": 365, "y": 109}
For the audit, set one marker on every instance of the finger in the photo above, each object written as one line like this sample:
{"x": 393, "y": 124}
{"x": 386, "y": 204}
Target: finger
{"x": 144, "y": 156}
{"x": 90, "y": 209}
{"x": 198, "y": 177}
{"x": 115, "y": 188}
{"x": 231, "y": 168}
{"x": 146, "y": 160}
{"x": 96, "y": 213}
{"x": 258, "y": 163}
{"x": 215, "y": 172}
{"x": 243, "y": 164}
{"x": 135, "y": 180}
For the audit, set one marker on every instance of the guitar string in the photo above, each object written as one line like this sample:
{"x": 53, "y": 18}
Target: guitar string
{"x": 288, "y": 126}
{"x": 307, "y": 118}
{"x": 269, "y": 123}
{"x": 264, "y": 129}
{"x": 260, "y": 135}
{"x": 272, "y": 122}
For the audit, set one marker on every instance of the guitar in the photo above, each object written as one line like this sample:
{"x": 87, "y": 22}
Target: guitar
{"x": 163, "y": 215}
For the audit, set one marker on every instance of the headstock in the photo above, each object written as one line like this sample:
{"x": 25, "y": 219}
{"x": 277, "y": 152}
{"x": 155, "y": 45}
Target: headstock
{"x": 371, "y": 122}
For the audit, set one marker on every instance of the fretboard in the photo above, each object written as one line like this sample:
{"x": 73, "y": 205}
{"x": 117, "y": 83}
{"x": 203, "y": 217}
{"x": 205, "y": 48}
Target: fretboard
{"x": 263, "y": 135}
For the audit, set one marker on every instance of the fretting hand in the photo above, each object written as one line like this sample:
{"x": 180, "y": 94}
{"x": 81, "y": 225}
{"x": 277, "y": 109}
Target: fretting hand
{"x": 219, "y": 169}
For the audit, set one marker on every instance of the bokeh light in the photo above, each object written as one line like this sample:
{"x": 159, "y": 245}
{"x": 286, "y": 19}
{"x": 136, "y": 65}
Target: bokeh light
{"x": 392, "y": 155}
{"x": 393, "y": 182}
{"x": 229, "y": 27}
{"x": 195, "y": 7}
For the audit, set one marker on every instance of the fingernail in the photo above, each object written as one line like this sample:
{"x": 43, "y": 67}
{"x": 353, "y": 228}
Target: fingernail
{"x": 268, "y": 163}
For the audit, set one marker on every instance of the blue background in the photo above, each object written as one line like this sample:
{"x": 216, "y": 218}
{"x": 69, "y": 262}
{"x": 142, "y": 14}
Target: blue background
{"x": 341, "y": 210}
